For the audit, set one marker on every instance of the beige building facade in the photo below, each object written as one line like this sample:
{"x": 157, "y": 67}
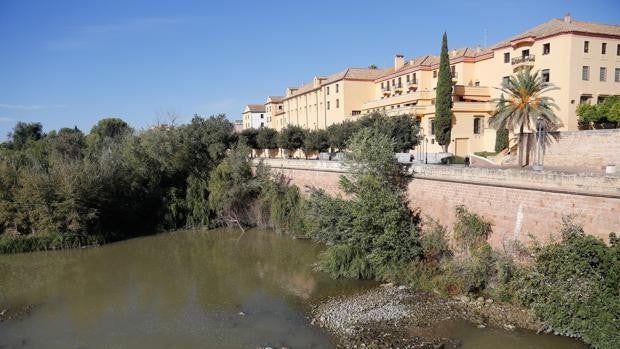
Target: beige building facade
{"x": 581, "y": 58}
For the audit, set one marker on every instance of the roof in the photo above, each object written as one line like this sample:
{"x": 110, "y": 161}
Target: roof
{"x": 563, "y": 26}
{"x": 363, "y": 74}
{"x": 254, "y": 108}
{"x": 429, "y": 61}
{"x": 274, "y": 99}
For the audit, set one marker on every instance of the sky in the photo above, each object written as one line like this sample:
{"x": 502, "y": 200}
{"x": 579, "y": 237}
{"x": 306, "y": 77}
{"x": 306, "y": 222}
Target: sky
{"x": 71, "y": 63}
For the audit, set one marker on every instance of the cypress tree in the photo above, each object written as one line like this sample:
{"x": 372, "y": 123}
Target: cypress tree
{"x": 443, "y": 98}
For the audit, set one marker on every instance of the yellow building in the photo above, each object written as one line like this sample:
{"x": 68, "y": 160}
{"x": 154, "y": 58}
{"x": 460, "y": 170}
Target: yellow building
{"x": 581, "y": 58}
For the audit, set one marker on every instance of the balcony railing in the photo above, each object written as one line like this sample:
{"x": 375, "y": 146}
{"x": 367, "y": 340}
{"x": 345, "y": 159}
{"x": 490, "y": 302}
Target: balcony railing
{"x": 412, "y": 82}
{"x": 397, "y": 86}
{"x": 385, "y": 89}
{"x": 524, "y": 59}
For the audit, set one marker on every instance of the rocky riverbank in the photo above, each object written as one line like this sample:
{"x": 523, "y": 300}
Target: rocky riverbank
{"x": 396, "y": 316}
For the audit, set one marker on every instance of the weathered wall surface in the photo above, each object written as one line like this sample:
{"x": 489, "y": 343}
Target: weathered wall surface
{"x": 518, "y": 203}
{"x": 592, "y": 150}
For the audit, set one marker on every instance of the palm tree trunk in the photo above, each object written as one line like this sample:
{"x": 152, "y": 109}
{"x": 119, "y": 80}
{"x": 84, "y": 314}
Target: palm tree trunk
{"x": 521, "y": 147}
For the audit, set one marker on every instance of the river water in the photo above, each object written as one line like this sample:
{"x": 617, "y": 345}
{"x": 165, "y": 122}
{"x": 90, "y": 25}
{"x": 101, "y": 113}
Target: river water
{"x": 187, "y": 289}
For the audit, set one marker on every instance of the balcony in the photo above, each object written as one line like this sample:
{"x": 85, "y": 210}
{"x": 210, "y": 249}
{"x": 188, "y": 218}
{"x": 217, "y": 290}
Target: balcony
{"x": 398, "y": 87}
{"x": 412, "y": 83}
{"x": 386, "y": 90}
{"x": 523, "y": 61}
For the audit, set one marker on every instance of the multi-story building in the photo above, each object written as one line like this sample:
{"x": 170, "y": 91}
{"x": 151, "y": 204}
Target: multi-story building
{"x": 327, "y": 100}
{"x": 582, "y": 59}
{"x": 274, "y": 110}
{"x": 254, "y": 116}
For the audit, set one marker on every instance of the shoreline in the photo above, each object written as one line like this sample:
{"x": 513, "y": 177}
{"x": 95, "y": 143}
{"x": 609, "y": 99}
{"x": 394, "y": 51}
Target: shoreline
{"x": 397, "y": 316}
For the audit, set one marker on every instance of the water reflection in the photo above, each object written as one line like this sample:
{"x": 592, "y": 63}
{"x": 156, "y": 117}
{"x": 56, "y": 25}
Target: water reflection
{"x": 179, "y": 289}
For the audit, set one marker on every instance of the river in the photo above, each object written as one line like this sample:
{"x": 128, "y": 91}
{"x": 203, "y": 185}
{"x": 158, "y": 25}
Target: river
{"x": 187, "y": 289}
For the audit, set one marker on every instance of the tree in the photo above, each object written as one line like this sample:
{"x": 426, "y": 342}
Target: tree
{"x": 24, "y": 132}
{"x": 110, "y": 127}
{"x": 524, "y": 105}
{"x": 291, "y": 137}
{"x": 339, "y": 134}
{"x": 443, "y": 98}
{"x": 403, "y": 129}
{"x": 249, "y": 137}
{"x": 602, "y": 115}
{"x": 267, "y": 138}
{"x": 315, "y": 140}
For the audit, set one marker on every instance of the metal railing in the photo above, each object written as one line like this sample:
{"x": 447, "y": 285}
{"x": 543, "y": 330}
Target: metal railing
{"x": 524, "y": 59}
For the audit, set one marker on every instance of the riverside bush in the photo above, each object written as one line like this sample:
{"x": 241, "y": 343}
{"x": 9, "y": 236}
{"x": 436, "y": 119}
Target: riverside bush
{"x": 574, "y": 287}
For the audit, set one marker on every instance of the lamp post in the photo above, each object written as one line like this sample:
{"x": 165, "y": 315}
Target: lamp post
{"x": 540, "y": 144}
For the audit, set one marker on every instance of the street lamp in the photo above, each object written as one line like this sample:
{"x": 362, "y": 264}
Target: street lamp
{"x": 540, "y": 144}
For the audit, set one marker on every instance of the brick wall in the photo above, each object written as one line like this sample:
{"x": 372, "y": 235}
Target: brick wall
{"x": 505, "y": 197}
{"x": 591, "y": 150}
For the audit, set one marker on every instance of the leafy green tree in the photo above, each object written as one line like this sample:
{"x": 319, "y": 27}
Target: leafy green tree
{"x": 600, "y": 114}
{"x": 501, "y": 139}
{"x": 443, "y": 99}
{"x": 315, "y": 140}
{"x": 403, "y": 129}
{"x": 267, "y": 138}
{"x": 378, "y": 233}
{"x": 525, "y": 103}
{"x": 291, "y": 137}
{"x": 339, "y": 134}
{"x": 68, "y": 143}
{"x": 24, "y": 132}
{"x": 249, "y": 137}
{"x": 111, "y": 127}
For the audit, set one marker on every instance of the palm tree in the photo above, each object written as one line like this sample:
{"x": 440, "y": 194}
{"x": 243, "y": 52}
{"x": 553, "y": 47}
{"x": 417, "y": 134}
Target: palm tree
{"x": 524, "y": 106}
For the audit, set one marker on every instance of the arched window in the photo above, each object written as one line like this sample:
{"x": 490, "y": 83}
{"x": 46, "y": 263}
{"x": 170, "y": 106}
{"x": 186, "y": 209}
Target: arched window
{"x": 477, "y": 126}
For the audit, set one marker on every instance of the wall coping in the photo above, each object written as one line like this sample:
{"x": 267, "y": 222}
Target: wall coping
{"x": 551, "y": 181}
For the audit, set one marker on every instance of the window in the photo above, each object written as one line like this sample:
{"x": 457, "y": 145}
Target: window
{"x": 434, "y": 73}
{"x": 262, "y": 115}
{"x": 546, "y": 49}
{"x": 545, "y": 75}
{"x": 585, "y": 99}
{"x": 477, "y": 83}
{"x": 415, "y": 79}
{"x": 600, "y": 99}
{"x": 506, "y": 57}
{"x": 337, "y": 103}
{"x": 327, "y": 105}
{"x": 327, "y": 90}
{"x": 505, "y": 80}
{"x": 603, "y": 48}
{"x": 586, "y": 46}
{"x": 399, "y": 81}
{"x": 408, "y": 78}
{"x": 585, "y": 73}
{"x": 336, "y": 88}
{"x": 355, "y": 112}
{"x": 477, "y": 126}
{"x": 432, "y": 127}
{"x": 453, "y": 71}
{"x": 525, "y": 53}
{"x": 618, "y": 50}
{"x": 393, "y": 82}
{"x": 603, "y": 74}
{"x": 617, "y": 75}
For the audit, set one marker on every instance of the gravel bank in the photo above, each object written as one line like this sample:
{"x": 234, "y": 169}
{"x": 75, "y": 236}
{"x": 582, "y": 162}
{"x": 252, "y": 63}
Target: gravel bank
{"x": 383, "y": 317}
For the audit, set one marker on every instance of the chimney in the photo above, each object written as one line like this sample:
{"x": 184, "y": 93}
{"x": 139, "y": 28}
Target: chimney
{"x": 567, "y": 17}
{"x": 399, "y": 61}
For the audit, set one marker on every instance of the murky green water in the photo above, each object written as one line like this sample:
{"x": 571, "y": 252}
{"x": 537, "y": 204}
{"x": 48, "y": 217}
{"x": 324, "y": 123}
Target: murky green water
{"x": 180, "y": 290}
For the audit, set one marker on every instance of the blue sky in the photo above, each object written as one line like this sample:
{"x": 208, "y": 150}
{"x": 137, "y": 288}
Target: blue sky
{"x": 66, "y": 63}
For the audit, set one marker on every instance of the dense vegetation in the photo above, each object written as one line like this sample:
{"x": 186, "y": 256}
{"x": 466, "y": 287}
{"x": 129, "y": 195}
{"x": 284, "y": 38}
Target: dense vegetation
{"x": 403, "y": 130}
{"x": 67, "y": 189}
{"x": 602, "y": 115}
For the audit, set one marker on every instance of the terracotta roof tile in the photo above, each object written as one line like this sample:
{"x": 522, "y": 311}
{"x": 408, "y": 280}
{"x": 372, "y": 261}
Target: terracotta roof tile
{"x": 255, "y": 108}
{"x": 558, "y": 26}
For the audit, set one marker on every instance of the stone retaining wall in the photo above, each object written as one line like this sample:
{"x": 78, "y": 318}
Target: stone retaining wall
{"x": 518, "y": 203}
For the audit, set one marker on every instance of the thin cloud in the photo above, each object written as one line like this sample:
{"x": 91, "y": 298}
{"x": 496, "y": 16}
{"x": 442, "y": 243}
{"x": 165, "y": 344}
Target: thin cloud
{"x": 3, "y": 119}
{"x": 27, "y": 107}
{"x": 85, "y": 36}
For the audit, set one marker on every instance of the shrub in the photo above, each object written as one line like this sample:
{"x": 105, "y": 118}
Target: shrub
{"x": 434, "y": 241}
{"x": 574, "y": 287}
{"x": 471, "y": 231}
{"x": 501, "y": 140}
